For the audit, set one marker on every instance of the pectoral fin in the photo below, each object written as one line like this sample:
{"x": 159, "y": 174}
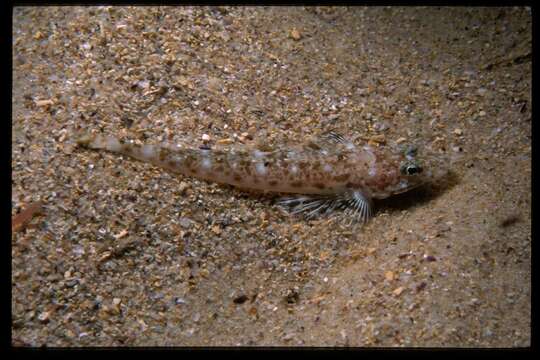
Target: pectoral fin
{"x": 311, "y": 206}
{"x": 357, "y": 206}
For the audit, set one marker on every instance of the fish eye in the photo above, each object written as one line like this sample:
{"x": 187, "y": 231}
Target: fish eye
{"x": 411, "y": 169}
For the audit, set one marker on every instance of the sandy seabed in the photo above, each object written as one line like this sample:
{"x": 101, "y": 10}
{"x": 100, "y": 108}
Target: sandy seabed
{"x": 127, "y": 254}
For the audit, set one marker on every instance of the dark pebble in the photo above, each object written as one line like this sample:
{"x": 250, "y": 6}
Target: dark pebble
{"x": 72, "y": 283}
{"x": 240, "y": 299}
{"x": 511, "y": 220}
{"x": 292, "y": 297}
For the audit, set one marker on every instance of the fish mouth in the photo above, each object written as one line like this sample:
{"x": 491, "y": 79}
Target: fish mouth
{"x": 409, "y": 188}
{"x": 427, "y": 176}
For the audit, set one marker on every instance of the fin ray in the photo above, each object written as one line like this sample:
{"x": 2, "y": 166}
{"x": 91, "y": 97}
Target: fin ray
{"x": 355, "y": 204}
{"x": 330, "y": 141}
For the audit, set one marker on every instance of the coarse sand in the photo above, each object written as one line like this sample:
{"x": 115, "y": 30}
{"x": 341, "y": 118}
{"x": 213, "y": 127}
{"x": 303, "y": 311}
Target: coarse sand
{"x": 115, "y": 252}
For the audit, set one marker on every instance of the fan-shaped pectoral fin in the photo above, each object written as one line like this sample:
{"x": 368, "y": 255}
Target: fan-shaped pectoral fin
{"x": 310, "y": 205}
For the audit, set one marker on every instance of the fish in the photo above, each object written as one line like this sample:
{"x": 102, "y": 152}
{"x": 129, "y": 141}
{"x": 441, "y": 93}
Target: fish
{"x": 326, "y": 173}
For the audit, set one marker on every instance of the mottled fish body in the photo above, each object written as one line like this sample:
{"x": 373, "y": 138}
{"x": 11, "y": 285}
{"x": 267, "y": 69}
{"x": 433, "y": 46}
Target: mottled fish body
{"x": 327, "y": 172}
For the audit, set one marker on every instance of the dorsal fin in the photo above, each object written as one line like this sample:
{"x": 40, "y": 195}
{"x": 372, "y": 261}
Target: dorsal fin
{"x": 329, "y": 141}
{"x": 334, "y": 137}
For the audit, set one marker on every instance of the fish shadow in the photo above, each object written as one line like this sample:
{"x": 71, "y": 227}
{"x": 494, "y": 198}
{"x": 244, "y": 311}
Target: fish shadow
{"x": 421, "y": 195}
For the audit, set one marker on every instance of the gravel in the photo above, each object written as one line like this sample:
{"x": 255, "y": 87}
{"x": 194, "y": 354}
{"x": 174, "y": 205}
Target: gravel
{"x": 125, "y": 254}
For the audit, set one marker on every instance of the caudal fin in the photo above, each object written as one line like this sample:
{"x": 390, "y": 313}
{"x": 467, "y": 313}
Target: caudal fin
{"x": 91, "y": 141}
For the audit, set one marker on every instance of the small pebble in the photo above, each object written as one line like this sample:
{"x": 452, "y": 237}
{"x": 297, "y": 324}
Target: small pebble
{"x": 421, "y": 286}
{"x": 380, "y": 126}
{"x": 288, "y": 337}
{"x": 398, "y": 291}
{"x": 183, "y": 187}
{"x": 295, "y": 34}
{"x": 240, "y": 299}
{"x": 226, "y": 141}
{"x": 389, "y": 275}
{"x": 44, "y": 102}
{"x": 400, "y": 140}
{"x": 185, "y": 222}
{"x": 482, "y": 91}
{"x": 509, "y": 220}
{"x": 143, "y": 84}
{"x": 379, "y": 139}
{"x": 333, "y": 117}
{"x": 44, "y": 316}
{"x": 72, "y": 283}
{"x": 430, "y": 258}
{"x": 180, "y": 301}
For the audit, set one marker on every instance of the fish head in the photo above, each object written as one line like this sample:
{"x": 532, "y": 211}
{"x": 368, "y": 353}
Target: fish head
{"x": 409, "y": 170}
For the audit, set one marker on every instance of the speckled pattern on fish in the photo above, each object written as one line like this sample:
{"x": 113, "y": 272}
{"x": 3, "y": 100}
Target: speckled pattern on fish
{"x": 327, "y": 172}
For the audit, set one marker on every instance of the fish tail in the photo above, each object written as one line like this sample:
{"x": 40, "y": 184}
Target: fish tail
{"x": 148, "y": 153}
{"x": 178, "y": 159}
{"x": 91, "y": 141}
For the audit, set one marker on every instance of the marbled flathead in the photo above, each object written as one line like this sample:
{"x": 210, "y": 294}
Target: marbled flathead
{"x": 326, "y": 173}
